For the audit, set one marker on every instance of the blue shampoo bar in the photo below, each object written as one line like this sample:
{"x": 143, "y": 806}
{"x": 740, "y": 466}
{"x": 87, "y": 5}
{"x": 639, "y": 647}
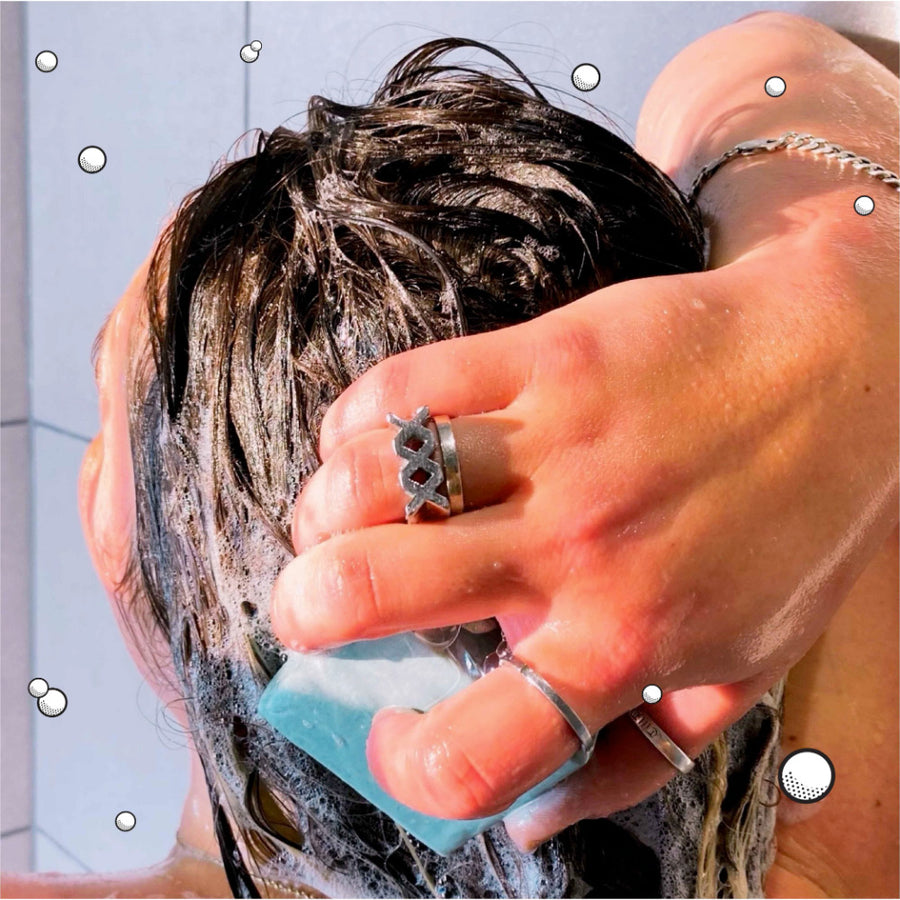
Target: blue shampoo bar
{"x": 324, "y": 703}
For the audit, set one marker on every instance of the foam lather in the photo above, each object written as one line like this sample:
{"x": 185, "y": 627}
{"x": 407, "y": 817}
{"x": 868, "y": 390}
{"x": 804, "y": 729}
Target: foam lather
{"x": 324, "y": 703}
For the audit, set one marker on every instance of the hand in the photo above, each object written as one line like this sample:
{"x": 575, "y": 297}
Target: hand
{"x": 671, "y": 481}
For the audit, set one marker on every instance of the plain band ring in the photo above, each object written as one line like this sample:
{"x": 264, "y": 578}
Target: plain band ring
{"x": 452, "y": 474}
{"x": 588, "y": 741}
{"x": 669, "y": 749}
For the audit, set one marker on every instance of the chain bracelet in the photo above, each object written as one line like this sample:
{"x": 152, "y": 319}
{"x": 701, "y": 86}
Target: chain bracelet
{"x": 792, "y": 140}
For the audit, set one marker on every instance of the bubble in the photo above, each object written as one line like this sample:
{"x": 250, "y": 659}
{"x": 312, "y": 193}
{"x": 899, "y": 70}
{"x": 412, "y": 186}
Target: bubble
{"x": 652, "y": 693}
{"x": 806, "y": 775}
{"x": 586, "y": 77}
{"x": 248, "y": 54}
{"x": 256, "y": 46}
{"x": 53, "y": 703}
{"x": 91, "y": 160}
{"x": 37, "y": 687}
{"x": 775, "y": 86}
{"x": 864, "y": 204}
{"x": 46, "y": 61}
{"x": 125, "y": 820}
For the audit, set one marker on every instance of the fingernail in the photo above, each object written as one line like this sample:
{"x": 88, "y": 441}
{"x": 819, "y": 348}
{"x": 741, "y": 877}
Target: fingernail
{"x": 284, "y": 624}
{"x": 538, "y": 820}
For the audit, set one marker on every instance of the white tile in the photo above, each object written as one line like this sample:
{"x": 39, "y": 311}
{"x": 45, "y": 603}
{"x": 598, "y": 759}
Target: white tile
{"x": 342, "y": 50}
{"x": 15, "y": 628}
{"x": 14, "y": 373}
{"x": 15, "y": 851}
{"x": 50, "y": 855}
{"x": 105, "y": 753}
{"x": 160, "y": 88}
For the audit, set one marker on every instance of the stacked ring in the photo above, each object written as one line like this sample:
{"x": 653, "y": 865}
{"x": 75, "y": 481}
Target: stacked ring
{"x": 441, "y": 493}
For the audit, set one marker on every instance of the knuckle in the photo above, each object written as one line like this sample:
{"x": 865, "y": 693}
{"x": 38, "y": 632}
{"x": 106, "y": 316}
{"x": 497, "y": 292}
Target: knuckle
{"x": 455, "y": 785}
{"x": 390, "y": 383}
{"x": 354, "y": 474}
{"x": 354, "y": 606}
{"x": 565, "y": 349}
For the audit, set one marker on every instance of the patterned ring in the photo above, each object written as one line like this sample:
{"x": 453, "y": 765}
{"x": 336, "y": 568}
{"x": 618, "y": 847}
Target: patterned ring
{"x": 441, "y": 492}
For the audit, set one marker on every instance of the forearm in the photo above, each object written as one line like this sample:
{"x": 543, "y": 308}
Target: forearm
{"x": 711, "y": 97}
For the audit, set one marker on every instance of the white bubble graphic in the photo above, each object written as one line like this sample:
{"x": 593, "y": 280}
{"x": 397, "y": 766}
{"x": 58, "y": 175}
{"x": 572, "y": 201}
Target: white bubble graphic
{"x": 652, "y": 693}
{"x": 586, "y": 77}
{"x": 806, "y": 775}
{"x": 91, "y": 160}
{"x": 256, "y": 46}
{"x": 46, "y": 61}
{"x": 775, "y": 86}
{"x": 248, "y": 54}
{"x": 37, "y": 687}
{"x": 53, "y": 703}
{"x": 125, "y": 820}
{"x": 864, "y": 204}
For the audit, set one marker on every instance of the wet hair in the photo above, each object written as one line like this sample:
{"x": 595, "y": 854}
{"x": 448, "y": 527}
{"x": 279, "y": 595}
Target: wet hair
{"x": 456, "y": 202}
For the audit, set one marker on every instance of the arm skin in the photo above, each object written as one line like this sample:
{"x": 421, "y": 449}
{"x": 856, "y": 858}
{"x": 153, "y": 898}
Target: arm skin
{"x": 698, "y": 108}
{"x": 837, "y": 92}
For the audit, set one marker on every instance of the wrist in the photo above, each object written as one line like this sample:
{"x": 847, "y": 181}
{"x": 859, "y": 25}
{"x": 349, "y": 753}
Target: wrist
{"x": 697, "y": 109}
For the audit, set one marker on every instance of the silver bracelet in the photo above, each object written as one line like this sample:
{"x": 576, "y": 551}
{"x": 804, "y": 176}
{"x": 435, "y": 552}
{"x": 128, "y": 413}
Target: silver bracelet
{"x": 791, "y": 140}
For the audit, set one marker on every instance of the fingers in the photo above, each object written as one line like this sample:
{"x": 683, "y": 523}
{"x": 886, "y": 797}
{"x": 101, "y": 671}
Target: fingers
{"x": 474, "y": 753}
{"x": 370, "y": 583}
{"x": 464, "y": 376}
{"x": 626, "y": 768}
{"x": 359, "y": 485}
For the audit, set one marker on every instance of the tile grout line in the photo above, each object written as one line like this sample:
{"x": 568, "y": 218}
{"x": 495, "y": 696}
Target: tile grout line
{"x": 38, "y": 423}
{"x": 14, "y": 831}
{"x": 61, "y": 848}
{"x": 27, "y": 225}
{"x": 246, "y": 67}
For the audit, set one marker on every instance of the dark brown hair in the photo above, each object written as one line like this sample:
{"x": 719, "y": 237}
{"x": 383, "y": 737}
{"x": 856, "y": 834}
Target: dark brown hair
{"x": 455, "y": 202}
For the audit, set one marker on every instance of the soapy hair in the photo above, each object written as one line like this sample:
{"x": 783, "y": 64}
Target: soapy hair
{"x": 455, "y": 202}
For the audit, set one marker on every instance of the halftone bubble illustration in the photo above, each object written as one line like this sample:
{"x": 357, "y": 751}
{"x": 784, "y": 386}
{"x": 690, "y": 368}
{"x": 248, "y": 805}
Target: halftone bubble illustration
{"x": 53, "y": 703}
{"x": 91, "y": 160}
{"x": 864, "y": 205}
{"x": 125, "y": 820}
{"x": 250, "y": 52}
{"x": 37, "y": 687}
{"x": 652, "y": 693}
{"x": 775, "y": 86}
{"x": 46, "y": 61}
{"x": 806, "y": 775}
{"x": 586, "y": 77}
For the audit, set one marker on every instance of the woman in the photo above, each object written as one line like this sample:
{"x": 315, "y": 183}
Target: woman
{"x": 232, "y": 453}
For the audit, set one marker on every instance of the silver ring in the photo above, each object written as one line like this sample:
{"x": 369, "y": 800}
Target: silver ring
{"x": 451, "y": 463}
{"x": 435, "y": 438}
{"x": 503, "y": 655}
{"x": 669, "y": 749}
